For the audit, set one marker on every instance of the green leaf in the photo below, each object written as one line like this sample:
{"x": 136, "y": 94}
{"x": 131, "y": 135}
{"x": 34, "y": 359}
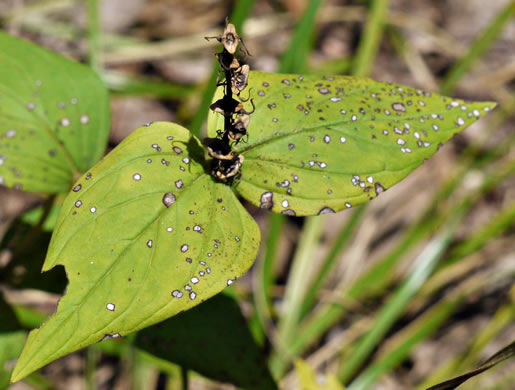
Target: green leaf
{"x": 323, "y": 144}
{"x": 232, "y": 356}
{"x": 54, "y": 118}
{"x": 500, "y": 356}
{"x": 307, "y": 378}
{"x": 143, "y": 235}
{"x": 33, "y": 216}
{"x": 12, "y": 337}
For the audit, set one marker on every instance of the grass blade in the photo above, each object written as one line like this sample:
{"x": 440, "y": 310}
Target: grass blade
{"x": 423, "y": 267}
{"x": 482, "y": 43}
{"x": 295, "y": 58}
{"x": 94, "y": 33}
{"x": 296, "y": 289}
{"x": 502, "y": 318}
{"x": 264, "y": 277}
{"x": 505, "y": 353}
{"x": 330, "y": 260}
{"x": 371, "y": 38}
{"x": 125, "y": 84}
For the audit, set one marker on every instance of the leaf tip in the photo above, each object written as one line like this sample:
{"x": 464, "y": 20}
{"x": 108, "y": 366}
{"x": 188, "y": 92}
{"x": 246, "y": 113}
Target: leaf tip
{"x": 30, "y": 359}
{"x": 491, "y": 105}
{"x": 19, "y": 373}
{"x": 488, "y": 106}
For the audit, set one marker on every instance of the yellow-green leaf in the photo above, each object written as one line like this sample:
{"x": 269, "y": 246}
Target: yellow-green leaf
{"x": 323, "y": 144}
{"x": 143, "y": 235}
{"x": 54, "y": 118}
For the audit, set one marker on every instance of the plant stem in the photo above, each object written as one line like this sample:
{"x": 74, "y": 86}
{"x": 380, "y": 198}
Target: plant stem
{"x": 94, "y": 32}
{"x": 371, "y": 38}
{"x": 184, "y": 378}
{"x": 240, "y": 13}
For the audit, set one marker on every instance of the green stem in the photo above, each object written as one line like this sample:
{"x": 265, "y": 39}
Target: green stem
{"x": 371, "y": 38}
{"x": 184, "y": 378}
{"x": 425, "y": 264}
{"x": 94, "y": 32}
{"x": 295, "y": 58}
{"x": 330, "y": 260}
{"x": 296, "y": 290}
{"x": 265, "y": 273}
{"x": 28, "y": 241}
{"x": 240, "y": 12}
{"x": 89, "y": 371}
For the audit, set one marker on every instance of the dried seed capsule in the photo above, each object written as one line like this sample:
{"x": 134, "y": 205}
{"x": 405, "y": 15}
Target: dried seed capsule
{"x": 218, "y": 149}
{"x": 226, "y": 164}
{"x": 239, "y": 79}
{"x": 227, "y": 106}
{"x": 227, "y": 61}
{"x": 228, "y": 169}
{"x": 242, "y": 122}
{"x": 230, "y": 38}
{"x": 239, "y": 128}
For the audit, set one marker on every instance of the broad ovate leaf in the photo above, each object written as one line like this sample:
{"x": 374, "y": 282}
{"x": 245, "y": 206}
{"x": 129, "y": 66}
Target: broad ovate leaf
{"x": 54, "y": 118}
{"x": 143, "y": 235}
{"x": 323, "y": 144}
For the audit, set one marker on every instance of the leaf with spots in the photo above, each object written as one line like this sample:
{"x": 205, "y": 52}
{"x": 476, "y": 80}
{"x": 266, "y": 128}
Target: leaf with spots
{"x": 54, "y": 118}
{"x": 320, "y": 145}
{"x": 143, "y": 235}
{"x": 233, "y": 355}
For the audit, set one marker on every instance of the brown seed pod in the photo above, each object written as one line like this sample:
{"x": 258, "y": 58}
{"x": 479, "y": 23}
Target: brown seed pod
{"x": 242, "y": 122}
{"x": 239, "y": 79}
{"x": 228, "y": 169}
{"x": 227, "y": 61}
{"x": 230, "y": 38}
{"x": 218, "y": 149}
{"x": 239, "y": 128}
{"x": 226, "y": 164}
{"x": 227, "y": 106}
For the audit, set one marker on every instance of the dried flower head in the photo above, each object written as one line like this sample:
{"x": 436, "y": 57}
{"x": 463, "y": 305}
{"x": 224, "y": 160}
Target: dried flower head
{"x": 239, "y": 79}
{"x": 227, "y": 106}
{"x": 230, "y": 38}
